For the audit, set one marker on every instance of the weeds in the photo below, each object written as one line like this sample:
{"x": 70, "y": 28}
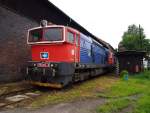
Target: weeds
{"x": 87, "y": 89}
{"x": 137, "y": 84}
{"x": 113, "y": 106}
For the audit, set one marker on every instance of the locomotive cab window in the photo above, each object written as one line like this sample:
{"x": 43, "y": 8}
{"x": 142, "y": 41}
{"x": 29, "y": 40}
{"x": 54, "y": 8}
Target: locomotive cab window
{"x": 53, "y": 34}
{"x": 35, "y": 35}
{"x": 70, "y": 37}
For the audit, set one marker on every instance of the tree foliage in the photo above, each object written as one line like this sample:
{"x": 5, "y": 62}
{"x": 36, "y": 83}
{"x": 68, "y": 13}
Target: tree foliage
{"x": 135, "y": 39}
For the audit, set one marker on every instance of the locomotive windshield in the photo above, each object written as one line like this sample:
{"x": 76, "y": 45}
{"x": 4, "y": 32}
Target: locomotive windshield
{"x": 53, "y": 34}
{"x": 46, "y": 34}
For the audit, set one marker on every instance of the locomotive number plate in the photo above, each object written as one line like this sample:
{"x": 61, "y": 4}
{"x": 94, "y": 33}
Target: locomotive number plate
{"x": 42, "y": 65}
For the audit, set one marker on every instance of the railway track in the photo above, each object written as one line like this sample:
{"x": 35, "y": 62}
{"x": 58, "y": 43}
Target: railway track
{"x": 13, "y": 98}
{"x": 16, "y": 98}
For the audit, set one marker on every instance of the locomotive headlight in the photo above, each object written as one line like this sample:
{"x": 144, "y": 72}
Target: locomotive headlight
{"x": 52, "y": 65}
{"x": 43, "y": 23}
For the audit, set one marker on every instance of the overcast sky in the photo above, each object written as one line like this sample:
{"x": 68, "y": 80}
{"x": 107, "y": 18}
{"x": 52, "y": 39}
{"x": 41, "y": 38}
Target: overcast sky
{"x": 108, "y": 19}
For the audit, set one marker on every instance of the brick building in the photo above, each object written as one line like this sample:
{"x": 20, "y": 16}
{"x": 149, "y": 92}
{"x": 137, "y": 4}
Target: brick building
{"x": 14, "y": 51}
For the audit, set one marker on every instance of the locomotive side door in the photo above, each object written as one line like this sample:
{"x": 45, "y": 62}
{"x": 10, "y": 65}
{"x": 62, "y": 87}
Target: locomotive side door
{"x": 74, "y": 44}
{"x": 77, "y": 47}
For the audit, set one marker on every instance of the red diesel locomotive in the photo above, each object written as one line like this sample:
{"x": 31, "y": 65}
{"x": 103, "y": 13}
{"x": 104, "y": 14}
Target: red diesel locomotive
{"x": 63, "y": 55}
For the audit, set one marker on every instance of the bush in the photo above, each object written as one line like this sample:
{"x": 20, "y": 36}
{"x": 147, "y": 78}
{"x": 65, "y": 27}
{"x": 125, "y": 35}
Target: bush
{"x": 146, "y": 74}
{"x": 124, "y": 74}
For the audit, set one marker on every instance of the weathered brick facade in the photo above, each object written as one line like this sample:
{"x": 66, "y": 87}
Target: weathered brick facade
{"x": 14, "y": 52}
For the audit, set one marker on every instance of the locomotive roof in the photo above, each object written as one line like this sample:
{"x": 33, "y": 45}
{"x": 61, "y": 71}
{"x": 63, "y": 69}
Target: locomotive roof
{"x": 46, "y": 10}
{"x": 53, "y": 25}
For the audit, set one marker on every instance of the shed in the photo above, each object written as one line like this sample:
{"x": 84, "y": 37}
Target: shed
{"x": 132, "y": 61}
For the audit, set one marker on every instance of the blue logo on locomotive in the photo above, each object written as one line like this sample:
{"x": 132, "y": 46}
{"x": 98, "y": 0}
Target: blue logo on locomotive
{"x": 44, "y": 55}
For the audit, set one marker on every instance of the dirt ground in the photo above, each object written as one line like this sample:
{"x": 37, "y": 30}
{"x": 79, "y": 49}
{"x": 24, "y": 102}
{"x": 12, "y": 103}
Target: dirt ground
{"x": 80, "y": 106}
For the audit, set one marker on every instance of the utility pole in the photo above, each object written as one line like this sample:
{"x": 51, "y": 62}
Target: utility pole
{"x": 140, "y": 37}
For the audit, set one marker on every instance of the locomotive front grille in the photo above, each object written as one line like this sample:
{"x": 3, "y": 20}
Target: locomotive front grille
{"x": 40, "y": 74}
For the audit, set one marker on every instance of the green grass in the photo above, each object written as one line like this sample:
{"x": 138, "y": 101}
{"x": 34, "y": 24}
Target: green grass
{"x": 142, "y": 105}
{"x": 138, "y": 84}
{"x": 87, "y": 89}
{"x": 122, "y": 89}
{"x": 118, "y": 93}
{"x": 113, "y": 106}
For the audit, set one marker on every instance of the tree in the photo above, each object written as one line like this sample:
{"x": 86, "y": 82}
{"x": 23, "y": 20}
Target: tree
{"x": 135, "y": 39}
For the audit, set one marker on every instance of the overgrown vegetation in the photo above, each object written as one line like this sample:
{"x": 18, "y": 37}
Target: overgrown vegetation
{"x": 143, "y": 104}
{"x": 119, "y": 94}
{"x": 113, "y": 105}
{"x": 87, "y": 89}
{"x": 137, "y": 86}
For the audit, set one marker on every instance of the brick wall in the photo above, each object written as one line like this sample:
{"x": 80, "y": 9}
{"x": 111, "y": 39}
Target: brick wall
{"x": 14, "y": 52}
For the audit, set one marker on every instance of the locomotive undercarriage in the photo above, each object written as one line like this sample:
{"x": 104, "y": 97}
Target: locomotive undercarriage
{"x": 58, "y": 75}
{"x": 49, "y": 74}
